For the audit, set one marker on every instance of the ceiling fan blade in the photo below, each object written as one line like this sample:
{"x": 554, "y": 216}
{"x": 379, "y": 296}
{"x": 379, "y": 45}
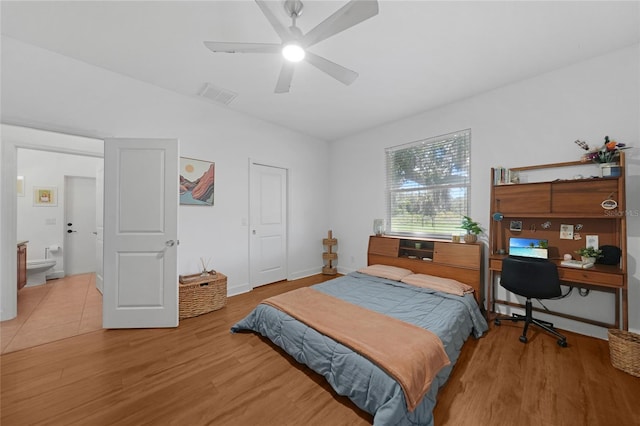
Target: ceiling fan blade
{"x": 282, "y": 31}
{"x": 218, "y": 46}
{"x": 347, "y": 16}
{"x": 286, "y": 75}
{"x": 340, "y": 73}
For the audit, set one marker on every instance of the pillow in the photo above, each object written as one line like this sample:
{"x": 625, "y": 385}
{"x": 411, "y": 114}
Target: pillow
{"x": 386, "y": 271}
{"x": 446, "y": 285}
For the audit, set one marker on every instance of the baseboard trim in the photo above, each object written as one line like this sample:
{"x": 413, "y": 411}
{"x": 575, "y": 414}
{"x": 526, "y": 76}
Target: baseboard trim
{"x": 55, "y": 275}
{"x": 238, "y": 289}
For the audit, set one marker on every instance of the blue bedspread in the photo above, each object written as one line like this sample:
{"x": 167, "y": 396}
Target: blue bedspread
{"x": 452, "y": 318}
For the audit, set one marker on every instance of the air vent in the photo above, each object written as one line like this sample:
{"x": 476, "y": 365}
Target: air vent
{"x": 216, "y": 94}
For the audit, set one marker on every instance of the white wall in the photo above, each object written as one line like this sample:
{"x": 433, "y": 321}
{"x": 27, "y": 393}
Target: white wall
{"x": 52, "y": 91}
{"x": 45, "y": 226}
{"x": 531, "y": 122}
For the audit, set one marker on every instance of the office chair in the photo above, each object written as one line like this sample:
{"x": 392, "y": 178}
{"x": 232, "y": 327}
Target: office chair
{"x": 531, "y": 278}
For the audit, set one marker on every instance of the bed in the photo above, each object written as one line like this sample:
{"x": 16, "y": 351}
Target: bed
{"x": 452, "y": 316}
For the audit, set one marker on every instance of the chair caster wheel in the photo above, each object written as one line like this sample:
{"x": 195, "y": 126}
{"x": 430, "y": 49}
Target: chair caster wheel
{"x": 523, "y": 339}
{"x": 562, "y": 343}
{"x": 496, "y": 321}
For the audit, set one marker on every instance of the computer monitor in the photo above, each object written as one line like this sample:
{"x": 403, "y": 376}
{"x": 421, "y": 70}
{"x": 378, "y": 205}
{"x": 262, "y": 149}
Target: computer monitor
{"x": 529, "y": 247}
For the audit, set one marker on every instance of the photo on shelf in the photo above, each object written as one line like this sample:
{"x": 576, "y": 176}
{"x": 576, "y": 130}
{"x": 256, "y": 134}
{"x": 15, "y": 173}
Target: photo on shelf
{"x": 566, "y": 232}
{"x": 515, "y": 225}
{"x": 592, "y": 241}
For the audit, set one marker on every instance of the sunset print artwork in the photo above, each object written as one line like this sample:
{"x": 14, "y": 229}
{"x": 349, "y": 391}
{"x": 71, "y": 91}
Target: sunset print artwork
{"x": 197, "y": 180}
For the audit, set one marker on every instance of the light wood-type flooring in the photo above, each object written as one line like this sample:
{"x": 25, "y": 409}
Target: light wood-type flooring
{"x": 56, "y": 310}
{"x": 200, "y": 374}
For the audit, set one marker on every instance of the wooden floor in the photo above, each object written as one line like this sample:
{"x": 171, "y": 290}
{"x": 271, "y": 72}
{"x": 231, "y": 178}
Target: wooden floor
{"x": 56, "y": 310}
{"x": 200, "y": 374}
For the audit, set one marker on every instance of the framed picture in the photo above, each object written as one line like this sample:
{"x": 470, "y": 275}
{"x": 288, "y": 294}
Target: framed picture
{"x": 566, "y": 232}
{"x": 45, "y": 196}
{"x": 20, "y": 187}
{"x": 197, "y": 182}
{"x": 515, "y": 225}
{"x": 592, "y": 241}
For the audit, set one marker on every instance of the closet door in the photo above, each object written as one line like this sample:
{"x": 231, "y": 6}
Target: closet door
{"x": 268, "y": 228}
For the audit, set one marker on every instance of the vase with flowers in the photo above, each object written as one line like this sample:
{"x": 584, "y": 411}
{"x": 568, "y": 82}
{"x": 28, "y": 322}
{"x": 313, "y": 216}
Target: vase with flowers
{"x": 607, "y": 156}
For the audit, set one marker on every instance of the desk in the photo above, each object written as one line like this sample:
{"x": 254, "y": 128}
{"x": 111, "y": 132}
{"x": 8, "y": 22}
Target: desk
{"x": 540, "y": 209}
{"x": 608, "y": 278}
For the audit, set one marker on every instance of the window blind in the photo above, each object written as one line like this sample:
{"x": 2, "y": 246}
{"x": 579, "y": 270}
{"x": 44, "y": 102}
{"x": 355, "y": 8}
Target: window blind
{"x": 428, "y": 183}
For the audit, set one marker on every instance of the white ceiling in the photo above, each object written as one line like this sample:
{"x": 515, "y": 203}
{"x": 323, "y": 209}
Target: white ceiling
{"x": 413, "y": 56}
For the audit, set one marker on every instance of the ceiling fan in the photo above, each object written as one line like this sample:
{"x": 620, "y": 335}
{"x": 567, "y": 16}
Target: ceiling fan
{"x": 295, "y": 45}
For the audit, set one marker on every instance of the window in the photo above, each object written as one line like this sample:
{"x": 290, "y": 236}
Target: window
{"x": 428, "y": 184}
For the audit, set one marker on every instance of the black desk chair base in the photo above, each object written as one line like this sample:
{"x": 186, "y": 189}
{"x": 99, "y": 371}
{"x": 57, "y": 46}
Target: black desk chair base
{"x": 528, "y": 319}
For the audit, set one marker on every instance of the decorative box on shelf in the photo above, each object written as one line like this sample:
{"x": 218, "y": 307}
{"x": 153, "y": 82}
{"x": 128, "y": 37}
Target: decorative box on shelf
{"x": 200, "y": 294}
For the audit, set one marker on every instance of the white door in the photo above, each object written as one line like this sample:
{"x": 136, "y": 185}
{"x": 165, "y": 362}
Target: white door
{"x": 140, "y": 233}
{"x": 79, "y": 225}
{"x": 268, "y": 227}
{"x": 99, "y": 226}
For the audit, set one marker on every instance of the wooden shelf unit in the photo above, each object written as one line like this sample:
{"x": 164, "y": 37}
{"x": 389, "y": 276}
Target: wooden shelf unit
{"x": 459, "y": 261}
{"x": 571, "y": 202}
{"x": 329, "y": 256}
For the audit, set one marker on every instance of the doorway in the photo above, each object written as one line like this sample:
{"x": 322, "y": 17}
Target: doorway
{"x": 18, "y": 138}
{"x": 68, "y": 303}
{"x": 72, "y": 180}
{"x": 48, "y": 220}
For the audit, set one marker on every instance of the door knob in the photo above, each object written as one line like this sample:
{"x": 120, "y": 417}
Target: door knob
{"x": 70, "y": 231}
{"x": 170, "y": 243}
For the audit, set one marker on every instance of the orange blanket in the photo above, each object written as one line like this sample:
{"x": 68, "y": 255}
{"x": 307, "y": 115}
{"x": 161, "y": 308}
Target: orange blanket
{"x": 408, "y": 353}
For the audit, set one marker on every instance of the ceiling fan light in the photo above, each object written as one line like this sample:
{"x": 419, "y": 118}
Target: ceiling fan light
{"x": 293, "y": 52}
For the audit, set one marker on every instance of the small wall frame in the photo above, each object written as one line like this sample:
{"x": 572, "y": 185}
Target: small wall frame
{"x": 45, "y": 196}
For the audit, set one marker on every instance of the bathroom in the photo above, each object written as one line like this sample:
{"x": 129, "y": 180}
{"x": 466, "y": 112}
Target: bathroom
{"x": 43, "y": 181}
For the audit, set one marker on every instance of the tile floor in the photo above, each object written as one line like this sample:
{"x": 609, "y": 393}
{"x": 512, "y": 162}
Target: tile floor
{"x": 56, "y": 310}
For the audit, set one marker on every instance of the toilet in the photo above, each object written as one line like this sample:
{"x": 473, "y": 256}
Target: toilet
{"x": 37, "y": 271}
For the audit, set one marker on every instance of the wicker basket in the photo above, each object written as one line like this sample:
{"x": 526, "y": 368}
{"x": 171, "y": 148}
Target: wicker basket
{"x": 201, "y": 294}
{"x": 624, "y": 348}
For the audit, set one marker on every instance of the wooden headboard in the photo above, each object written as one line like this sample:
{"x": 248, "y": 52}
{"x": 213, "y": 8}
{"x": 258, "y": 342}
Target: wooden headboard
{"x": 459, "y": 261}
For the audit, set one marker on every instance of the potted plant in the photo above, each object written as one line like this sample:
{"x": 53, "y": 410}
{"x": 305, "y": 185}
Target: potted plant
{"x": 589, "y": 254}
{"x": 472, "y": 228}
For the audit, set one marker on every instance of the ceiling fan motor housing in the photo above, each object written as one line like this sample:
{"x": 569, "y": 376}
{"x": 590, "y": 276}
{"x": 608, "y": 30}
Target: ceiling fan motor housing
{"x": 293, "y": 8}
